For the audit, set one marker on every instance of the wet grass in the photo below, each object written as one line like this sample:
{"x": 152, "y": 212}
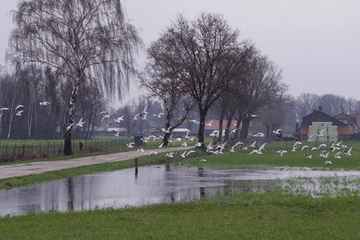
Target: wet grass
{"x": 272, "y": 215}
{"x": 270, "y": 158}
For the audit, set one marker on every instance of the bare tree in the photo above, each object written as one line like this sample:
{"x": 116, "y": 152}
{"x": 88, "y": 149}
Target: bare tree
{"x": 204, "y": 55}
{"x": 264, "y": 86}
{"x": 168, "y": 89}
{"x": 305, "y": 104}
{"x": 81, "y": 40}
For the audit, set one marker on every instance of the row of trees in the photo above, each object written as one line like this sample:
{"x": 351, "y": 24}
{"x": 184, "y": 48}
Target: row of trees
{"x": 331, "y": 104}
{"x": 204, "y": 62}
{"x": 68, "y": 51}
{"x": 31, "y": 86}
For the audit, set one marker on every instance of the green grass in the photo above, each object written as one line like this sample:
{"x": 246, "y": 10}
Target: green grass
{"x": 272, "y": 215}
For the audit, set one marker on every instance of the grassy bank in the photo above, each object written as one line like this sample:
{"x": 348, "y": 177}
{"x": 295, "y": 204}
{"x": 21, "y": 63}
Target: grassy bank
{"x": 9, "y": 183}
{"x": 272, "y": 215}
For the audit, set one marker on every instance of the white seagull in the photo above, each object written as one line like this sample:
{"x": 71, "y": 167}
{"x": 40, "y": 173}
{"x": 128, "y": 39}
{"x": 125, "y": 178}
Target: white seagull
{"x": 278, "y": 132}
{"x": 309, "y": 138}
{"x": 19, "y": 106}
{"x": 119, "y": 119}
{"x": 348, "y": 152}
{"x": 183, "y": 154}
{"x": 45, "y": 103}
{"x": 209, "y": 124}
{"x": 321, "y": 134}
{"x": 19, "y": 113}
{"x": 80, "y": 123}
{"x": 105, "y": 116}
{"x": 130, "y": 145}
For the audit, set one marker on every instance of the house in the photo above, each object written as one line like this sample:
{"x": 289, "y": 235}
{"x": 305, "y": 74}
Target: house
{"x": 320, "y": 120}
{"x": 348, "y": 120}
{"x": 257, "y": 125}
{"x": 212, "y": 125}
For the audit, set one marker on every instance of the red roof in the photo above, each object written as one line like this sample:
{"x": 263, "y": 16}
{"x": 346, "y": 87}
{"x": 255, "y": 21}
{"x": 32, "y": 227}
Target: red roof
{"x": 215, "y": 124}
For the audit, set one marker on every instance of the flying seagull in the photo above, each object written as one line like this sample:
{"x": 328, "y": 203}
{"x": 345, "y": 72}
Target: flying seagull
{"x": 278, "y": 132}
{"x": 80, "y": 123}
{"x": 19, "y": 113}
{"x": 209, "y": 124}
{"x": 45, "y": 103}
{"x": 19, "y": 106}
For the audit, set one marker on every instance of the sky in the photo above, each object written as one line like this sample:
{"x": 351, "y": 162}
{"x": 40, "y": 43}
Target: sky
{"x": 315, "y": 43}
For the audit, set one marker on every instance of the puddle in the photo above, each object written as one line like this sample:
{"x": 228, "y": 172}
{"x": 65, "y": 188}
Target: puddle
{"x": 166, "y": 184}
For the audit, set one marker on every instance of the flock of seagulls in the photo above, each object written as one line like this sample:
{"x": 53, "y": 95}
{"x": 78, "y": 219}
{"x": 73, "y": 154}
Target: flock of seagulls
{"x": 335, "y": 148}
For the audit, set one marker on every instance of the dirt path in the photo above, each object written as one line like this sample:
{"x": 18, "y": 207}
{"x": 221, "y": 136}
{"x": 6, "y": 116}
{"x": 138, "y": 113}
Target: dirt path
{"x": 23, "y": 169}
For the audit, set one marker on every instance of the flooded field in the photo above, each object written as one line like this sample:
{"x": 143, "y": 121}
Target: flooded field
{"x": 169, "y": 183}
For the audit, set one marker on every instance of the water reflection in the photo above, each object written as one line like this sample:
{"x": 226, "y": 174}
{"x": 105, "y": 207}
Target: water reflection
{"x": 161, "y": 184}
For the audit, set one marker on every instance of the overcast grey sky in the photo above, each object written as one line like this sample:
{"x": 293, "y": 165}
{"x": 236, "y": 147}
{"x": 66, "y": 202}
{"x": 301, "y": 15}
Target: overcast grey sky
{"x": 315, "y": 42}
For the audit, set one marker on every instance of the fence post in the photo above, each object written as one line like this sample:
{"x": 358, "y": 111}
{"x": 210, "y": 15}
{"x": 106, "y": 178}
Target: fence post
{"x": 48, "y": 149}
{"x": 6, "y": 150}
{"x": 23, "y": 149}
{"x": 136, "y": 166}
{"x": 15, "y": 149}
{"x": 40, "y": 147}
{"x": 54, "y": 148}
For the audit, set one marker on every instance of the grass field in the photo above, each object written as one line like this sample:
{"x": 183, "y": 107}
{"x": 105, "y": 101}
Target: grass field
{"x": 276, "y": 214}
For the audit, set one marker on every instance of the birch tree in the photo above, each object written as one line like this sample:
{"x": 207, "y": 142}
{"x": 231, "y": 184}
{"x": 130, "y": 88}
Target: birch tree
{"x": 80, "y": 40}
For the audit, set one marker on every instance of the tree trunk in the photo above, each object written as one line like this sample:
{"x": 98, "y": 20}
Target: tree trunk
{"x": 220, "y": 127}
{"x": 228, "y": 125}
{"x": 67, "y": 140}
{"x": 201, "y": 131}
{"x": 245, "y": 128}
{"x": 237, "y": 128}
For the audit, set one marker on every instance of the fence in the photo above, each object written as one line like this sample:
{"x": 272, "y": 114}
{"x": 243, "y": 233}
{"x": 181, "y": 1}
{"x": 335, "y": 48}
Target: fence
{"x": 57, "y": 147}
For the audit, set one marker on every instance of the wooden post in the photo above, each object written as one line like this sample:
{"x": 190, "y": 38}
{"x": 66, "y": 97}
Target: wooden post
{"x": 48, "y": 148}
{"x": 15, "y": 149}
{"x": 40, "y": 147}
{"x": 23, "y": 149}
{"x": 136, "y": 166}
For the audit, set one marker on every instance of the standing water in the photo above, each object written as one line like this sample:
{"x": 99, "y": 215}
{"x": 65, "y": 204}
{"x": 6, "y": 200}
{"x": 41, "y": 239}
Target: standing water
{"x": 152, "y": 184}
